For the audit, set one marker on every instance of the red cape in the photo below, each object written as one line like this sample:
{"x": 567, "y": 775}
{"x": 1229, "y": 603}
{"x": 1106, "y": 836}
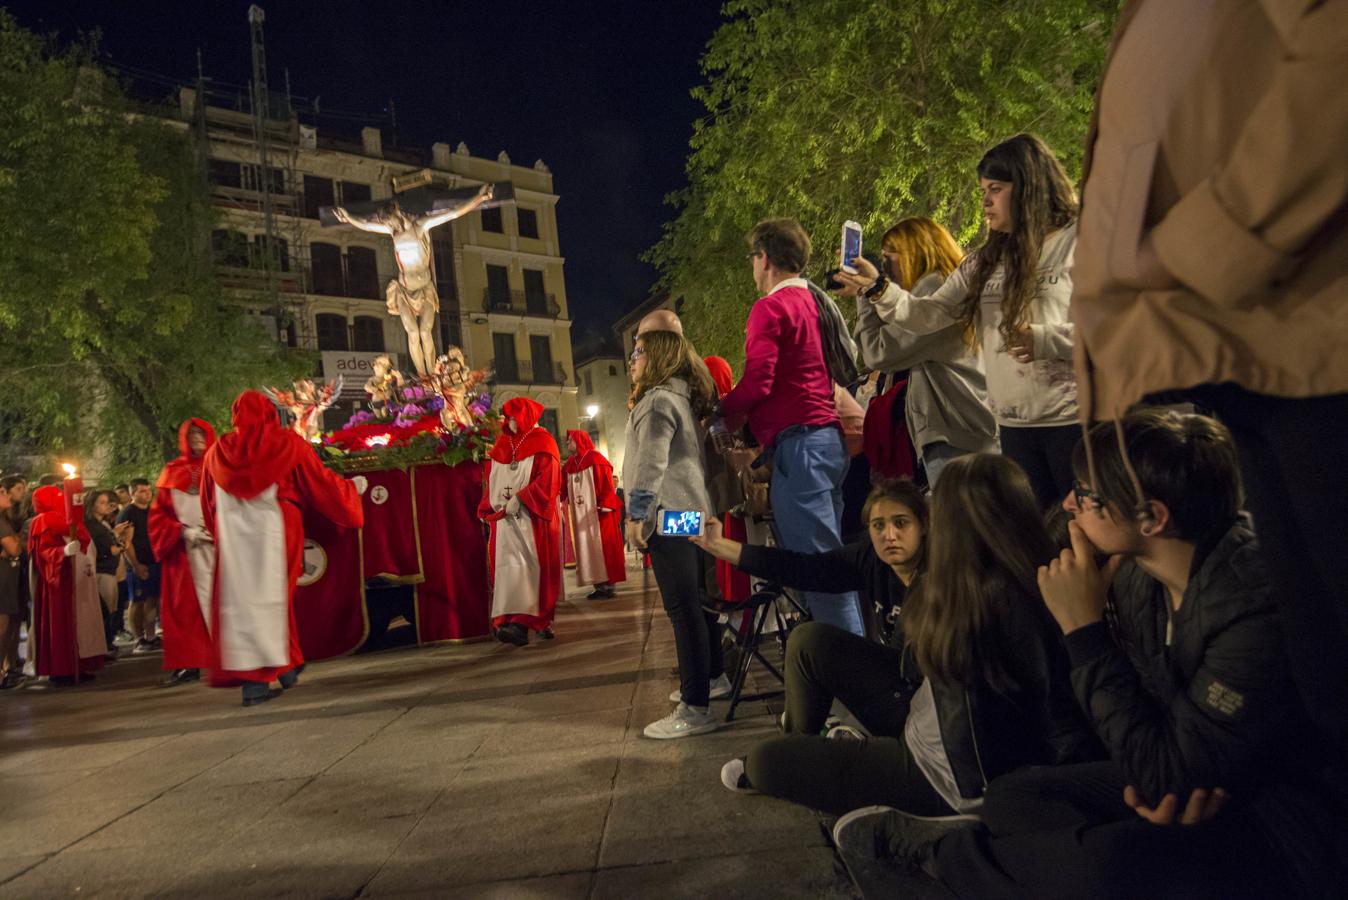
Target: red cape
{"x": 187, "y": 642}
{"x": 54, "y": 631}
{"x": 605, "y": 500}
{"x": 258, "y": 452}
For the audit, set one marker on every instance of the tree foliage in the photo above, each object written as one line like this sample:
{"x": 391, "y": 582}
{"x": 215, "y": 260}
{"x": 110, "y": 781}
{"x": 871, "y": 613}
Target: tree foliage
{"x": 114, "y": 325}
{"x": 827, "y": 110}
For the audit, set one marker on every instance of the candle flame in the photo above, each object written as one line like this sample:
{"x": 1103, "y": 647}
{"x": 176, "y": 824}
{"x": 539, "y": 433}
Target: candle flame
{"x": 70, "y": 470}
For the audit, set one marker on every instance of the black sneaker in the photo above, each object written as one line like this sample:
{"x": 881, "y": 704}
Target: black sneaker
{"x": 511, "y": 633}
{"x": 179, "y": 676}
{"x": 255, "y": 692}
{"x": 882, "y": 845}
{"x": 289, "y": 679}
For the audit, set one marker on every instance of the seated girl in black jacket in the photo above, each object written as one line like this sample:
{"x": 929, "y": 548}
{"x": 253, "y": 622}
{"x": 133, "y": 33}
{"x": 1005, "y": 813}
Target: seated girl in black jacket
{"x": 980, "y": 688}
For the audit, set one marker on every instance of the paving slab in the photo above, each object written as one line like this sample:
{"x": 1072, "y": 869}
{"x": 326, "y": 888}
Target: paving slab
{"x": 452, "y": 771}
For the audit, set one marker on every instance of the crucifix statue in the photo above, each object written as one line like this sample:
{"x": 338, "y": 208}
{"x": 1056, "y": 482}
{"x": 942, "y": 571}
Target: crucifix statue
{"x": 408, "y": 218}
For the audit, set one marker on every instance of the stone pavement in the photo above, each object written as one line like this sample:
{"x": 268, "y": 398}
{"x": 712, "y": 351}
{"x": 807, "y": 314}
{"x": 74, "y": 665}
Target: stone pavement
{"x": 475, "y": 770}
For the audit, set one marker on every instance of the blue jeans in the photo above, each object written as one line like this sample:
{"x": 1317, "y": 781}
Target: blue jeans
{"x": 934, "y": 458}
{"x": 808, "y": 466}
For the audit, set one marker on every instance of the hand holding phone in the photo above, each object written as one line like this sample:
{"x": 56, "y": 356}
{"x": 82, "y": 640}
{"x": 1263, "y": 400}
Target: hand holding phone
{"x": 680, "y": 523}
{"x": 851, "y": 247}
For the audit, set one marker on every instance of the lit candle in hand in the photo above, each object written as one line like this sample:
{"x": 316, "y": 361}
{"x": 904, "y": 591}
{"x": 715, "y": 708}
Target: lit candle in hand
{"x": 74, "y": 495}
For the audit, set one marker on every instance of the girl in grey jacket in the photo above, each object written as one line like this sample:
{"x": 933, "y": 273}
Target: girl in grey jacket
{"x": 663, "y": 469}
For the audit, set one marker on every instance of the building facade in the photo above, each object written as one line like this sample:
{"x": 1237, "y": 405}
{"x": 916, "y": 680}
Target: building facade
{"x": 498, "y": 272}
{"x": 602, "y": 390}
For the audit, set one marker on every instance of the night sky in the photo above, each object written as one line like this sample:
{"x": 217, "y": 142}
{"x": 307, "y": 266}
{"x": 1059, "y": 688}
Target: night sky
{"x": 598, "y": 90}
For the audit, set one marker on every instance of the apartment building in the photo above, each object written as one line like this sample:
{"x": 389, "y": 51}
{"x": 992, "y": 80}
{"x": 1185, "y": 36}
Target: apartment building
{"x": 499, "y": 272}
{"x": 602, "y": 390}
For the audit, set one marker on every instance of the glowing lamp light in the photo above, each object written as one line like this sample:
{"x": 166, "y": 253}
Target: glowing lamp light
{"x": 73, "y": 488}
{"x": 592, "y": 410}
{"x": 378, "y": 440}
{"x": 69, "y": 469}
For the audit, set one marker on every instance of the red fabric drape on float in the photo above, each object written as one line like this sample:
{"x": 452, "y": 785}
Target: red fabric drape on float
{"x": 330, "y": 595}
{"x": 187, "y": 641}
{"x": 453, "y": 603}
{"x": 392, "y": 551}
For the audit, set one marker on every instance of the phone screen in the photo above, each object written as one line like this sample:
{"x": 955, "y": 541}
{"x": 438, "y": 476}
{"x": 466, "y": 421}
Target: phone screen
{"x": 851, "y": 246}
{"x": 680, "y": 522}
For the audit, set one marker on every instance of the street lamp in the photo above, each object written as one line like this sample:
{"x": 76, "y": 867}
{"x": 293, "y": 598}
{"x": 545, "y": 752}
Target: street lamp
{"x": 592, "y": 410}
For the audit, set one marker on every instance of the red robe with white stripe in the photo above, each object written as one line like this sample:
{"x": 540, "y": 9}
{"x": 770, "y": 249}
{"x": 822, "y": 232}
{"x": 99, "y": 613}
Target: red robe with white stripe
{"x": 67, "y": 613}
{"x": 187, "y": 570}
{"x": 596, "y": 511}
{"x": 524, "y": 553}
{"x": 255, "y": 480}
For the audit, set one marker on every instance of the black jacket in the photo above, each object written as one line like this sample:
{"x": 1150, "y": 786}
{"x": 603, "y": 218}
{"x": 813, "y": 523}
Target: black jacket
{"x": 986, "y": 733}
{"x": 1213, "y": 705}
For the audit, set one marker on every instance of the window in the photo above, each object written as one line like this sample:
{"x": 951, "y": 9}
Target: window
{"x": 280, "y": 256}
{"x": 362, "y": 273}
{"x": 326, "y": 260}
{"x": 229, "y": 248}
{"x": 317, "y": 192}
{"x": 504, "y": 362}
{"x": 491, "y": 220}
{"x": 589, "y": 384}
{"x": 549, "y": 421}
{"x": 367, "y": 334}
{"x": 540, "y": 351}
{"x": 331, "y": 331}
{"x": 612, "y": 371}
{"x": 252, "y": 179}
{"x": 442, "y": 253}
{"x": 498, "y": 287}
{"x": 354, "y": 192}
{"x": 528, "y": 223}
{"x": 224, "y": 173}
{"x": 535, "y": 300}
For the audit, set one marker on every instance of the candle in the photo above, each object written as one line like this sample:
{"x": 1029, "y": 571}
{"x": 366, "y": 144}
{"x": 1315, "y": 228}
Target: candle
{"x": 74, "y": 493}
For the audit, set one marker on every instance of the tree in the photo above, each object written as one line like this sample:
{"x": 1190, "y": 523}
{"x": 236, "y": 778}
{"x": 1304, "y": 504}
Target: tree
{"x": 114, "y": 324}
{"x": 827, "y": 110}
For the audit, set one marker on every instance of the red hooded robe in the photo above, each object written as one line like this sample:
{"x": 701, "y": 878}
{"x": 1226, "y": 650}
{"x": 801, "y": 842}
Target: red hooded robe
{"x": 255, "y": 480}
{"x": 587, "y": 485}
{"x": 188, "y": 566}
{"x": 733, "y": 583}
{"x": 64, "y": 624}
{"x": 525, "y": 550}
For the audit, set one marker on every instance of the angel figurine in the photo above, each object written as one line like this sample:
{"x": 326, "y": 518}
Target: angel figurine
{"x": 383, "y": 386}
{"x": 306, "y": 404}
{"x": 453, "y": 381}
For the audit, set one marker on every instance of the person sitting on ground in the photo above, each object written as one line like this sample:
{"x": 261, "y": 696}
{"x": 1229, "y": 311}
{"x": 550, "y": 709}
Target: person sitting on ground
{"x": 984, "y": 667}
{"x": 1186, "y": 684}
{"x": 824, "y": 663}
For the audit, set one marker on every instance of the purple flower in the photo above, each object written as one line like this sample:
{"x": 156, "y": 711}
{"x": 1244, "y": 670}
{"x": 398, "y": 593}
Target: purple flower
{"x": 435, "y": 404}
{"x": 413, "y": 392}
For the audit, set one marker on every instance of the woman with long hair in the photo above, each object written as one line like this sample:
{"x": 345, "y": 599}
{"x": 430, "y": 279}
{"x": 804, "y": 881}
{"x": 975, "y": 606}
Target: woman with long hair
{"x": 1015, "y": 290}
{"x": 946, "y": 402}
{"x": 672, "y": 391}
{"x": 987, "y": 671}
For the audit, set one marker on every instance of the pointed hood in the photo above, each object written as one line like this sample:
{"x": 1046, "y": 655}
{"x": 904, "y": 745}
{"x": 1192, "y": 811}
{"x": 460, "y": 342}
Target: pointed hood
{"x": 721, "y": 374}
{"x": 49, "y": 502}
{"x": 585, "y": 454}
{"x": 184, "y": 473}
{"x": 258, "y": 452}
{"x": 529, "y": 439}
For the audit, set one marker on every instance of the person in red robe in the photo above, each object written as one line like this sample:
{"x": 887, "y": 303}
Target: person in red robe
{"x": 255, "y": 480}
{"x": 734, "y": 585}
{"x": 186, "y": 554}
{"x": 596, "y": 512}
{"x": 67, "y": 613}
{"x": 523, "y": 484}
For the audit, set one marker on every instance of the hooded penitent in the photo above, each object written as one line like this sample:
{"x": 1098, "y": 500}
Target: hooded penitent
{"x": 185, "y": 553}
{"x": 596, "y": 512}
{"x": 258, "y": 452}
{"x": 523, "y": 480}
{"x": 67, "y": 613}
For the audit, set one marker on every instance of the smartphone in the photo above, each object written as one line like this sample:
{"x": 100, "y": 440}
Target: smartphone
{"x": 680, "y": 523}
{"x": 851, "y": 246}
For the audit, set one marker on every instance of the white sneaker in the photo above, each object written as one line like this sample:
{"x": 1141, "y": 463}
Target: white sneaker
{"x": 844, "y": 733}
{"x": 720, "y": 689}
{"x": 684, "y": 721}
{"x": 733, "y": 777}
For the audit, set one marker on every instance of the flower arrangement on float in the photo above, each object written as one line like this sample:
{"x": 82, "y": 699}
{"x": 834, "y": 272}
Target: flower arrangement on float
{"x": 410, "y": 430}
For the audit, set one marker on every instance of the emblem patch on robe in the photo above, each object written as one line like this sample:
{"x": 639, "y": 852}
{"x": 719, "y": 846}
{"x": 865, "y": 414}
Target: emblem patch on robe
{"x": 315, "y": 563}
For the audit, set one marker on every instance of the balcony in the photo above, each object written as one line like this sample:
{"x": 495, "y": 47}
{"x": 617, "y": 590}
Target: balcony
{"x": 516, "y": 372}
{"x": 521, "y": 303}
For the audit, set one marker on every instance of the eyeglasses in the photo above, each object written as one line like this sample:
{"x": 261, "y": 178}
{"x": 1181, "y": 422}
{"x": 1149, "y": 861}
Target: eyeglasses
{"x": 637, "y": 351}
{"x": 1087, "y": 498}
{"x": 755, "y": 254}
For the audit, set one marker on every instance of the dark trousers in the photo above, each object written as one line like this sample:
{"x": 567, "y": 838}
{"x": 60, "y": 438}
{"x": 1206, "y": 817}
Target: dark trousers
{"x": 824, "y": 662}
{"x": 1065, "y": 831}
{"x": 1292, "y": 455}
{"x": 697, "y": 639}
{"x": 1046, "y": 456}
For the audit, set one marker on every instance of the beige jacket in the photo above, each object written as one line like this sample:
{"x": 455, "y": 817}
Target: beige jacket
{"x": 1245, "y": 191}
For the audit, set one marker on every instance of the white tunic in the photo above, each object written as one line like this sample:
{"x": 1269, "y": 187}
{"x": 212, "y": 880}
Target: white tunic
{"x": 201, "y": 558}
{"x": 516, "y": 575}
{"x": 590, "y": 566}
{"x": 254, "y": 582}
